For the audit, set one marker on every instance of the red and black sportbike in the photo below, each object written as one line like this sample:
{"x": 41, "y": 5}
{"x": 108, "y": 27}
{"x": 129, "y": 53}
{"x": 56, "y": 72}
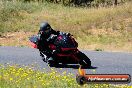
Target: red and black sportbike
{"x": 64, "y": 51}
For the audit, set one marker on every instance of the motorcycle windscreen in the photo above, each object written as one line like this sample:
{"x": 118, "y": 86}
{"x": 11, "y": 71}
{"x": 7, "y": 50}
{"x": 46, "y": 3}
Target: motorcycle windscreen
{"x": 65, "y": 41}
{"x": 33, "y": 41}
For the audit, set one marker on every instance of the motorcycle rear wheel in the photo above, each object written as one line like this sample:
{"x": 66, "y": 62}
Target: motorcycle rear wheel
{"x": 84, "y": 61}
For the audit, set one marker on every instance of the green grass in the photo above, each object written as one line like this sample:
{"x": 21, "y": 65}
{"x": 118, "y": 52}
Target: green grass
{"x": 12, "y": 13}
{"x": 15, "y": 76}
{"x": 65, "y": 18}
{"x": 102, "y": 26}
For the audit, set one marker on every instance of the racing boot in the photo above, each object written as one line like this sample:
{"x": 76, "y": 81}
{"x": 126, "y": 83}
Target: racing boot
{"x": 52, "y": 62}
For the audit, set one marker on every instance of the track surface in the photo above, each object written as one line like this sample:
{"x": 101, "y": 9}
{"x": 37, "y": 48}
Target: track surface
{"x": 102, "y": 62}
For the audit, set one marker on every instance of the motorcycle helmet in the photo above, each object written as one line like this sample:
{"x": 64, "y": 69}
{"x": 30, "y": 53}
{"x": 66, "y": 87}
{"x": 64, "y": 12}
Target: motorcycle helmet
{"x": 45, "y": 28}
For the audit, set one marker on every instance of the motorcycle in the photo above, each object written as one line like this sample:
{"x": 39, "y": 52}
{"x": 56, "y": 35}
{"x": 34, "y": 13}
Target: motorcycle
{"x": 64, "y": 51}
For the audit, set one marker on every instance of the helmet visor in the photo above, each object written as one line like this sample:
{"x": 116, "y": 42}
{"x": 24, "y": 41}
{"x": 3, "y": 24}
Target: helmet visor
{"x": 48, "y": 29}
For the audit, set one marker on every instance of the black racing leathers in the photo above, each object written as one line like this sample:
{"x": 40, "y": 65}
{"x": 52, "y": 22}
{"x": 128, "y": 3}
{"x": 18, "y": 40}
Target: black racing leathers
{"x": 43, "y": 44}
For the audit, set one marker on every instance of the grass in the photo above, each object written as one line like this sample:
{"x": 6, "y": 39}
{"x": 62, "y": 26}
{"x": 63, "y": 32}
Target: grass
{"x": 15, "y": 76}
{"x": 92, "y": 27}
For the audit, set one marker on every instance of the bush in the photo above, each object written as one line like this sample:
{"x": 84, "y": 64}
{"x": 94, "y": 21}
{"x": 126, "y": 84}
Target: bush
{"x": 10, "y": 14}
{"x": 98, "y": 49}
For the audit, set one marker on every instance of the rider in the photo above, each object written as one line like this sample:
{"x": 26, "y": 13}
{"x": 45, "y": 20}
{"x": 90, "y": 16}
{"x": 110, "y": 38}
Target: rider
{"x": 44, "y": 33}
{"x": 45, "y": 37}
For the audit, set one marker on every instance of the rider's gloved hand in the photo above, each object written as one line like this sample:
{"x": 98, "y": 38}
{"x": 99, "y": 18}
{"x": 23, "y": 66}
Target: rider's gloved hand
{"x": 39, "y": 36}
{"x": 51, "y": 37}
{"x": 68, "y": 34}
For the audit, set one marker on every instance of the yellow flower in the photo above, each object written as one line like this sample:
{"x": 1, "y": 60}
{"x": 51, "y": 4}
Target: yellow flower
{"x": 35, "y": 86}
{"x": 28, "y": 78}
{"x": 14, "y": 69}
{"x": 47, "y": 83}
{"x": 43, "y": 83}
{"x": 39, "y": 78}
{"x": 20, "y": 69}
{"x": 17, "y": 81}
{"x": 11, "y": 79}
{"x": 17, "y": 74}
{"x": 24, "y": 75}
{"x": 53, "y": 72}
{"x": 64, "y": 72}
{"x": 64, "y": 77}
{"x": 52, "y": 69}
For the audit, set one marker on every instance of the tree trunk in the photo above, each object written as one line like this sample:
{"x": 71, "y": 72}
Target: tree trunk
{"x": 116, "y": 2}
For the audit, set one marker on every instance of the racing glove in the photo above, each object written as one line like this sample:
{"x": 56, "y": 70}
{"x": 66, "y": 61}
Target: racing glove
{"x": 51, "y": 38}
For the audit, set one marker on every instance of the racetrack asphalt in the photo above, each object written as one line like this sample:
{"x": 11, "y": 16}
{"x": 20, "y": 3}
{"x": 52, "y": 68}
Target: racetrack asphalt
{"x": 102, "y": 62}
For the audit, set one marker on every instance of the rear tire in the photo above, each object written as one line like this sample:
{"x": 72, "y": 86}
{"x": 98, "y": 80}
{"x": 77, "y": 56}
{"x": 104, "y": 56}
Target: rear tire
{"x": 84, "y": 60}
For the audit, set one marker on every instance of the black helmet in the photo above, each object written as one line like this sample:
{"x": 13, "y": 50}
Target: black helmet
{"x": 45, "y": 28}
